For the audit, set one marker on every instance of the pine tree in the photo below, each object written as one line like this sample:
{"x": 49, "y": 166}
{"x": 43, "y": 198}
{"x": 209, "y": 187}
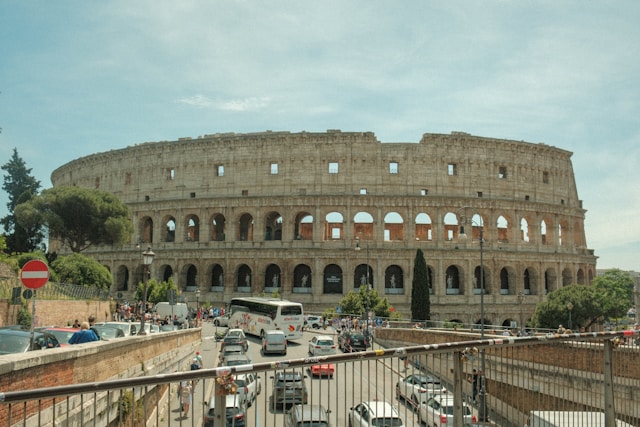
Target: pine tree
{"x": 20, "y": 186}
{"x": 420, "y": 302}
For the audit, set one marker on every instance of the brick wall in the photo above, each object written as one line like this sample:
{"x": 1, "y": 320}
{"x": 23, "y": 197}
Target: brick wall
{"x": 58, "y": 312}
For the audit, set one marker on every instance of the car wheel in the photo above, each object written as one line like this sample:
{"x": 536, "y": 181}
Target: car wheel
{"x": 316, "y": 326}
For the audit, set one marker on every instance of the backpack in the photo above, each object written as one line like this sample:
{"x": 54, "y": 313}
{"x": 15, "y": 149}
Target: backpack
{"x": 195, "y": 366}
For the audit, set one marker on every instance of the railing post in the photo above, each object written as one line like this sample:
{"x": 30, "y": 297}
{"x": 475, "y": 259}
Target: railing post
{"x": 220, "y": 408}
{"x": 609, "y": 409}
{"x": 458, "y": 416}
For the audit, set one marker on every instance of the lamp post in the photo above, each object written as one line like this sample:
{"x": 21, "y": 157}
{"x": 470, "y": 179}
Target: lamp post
{"x": 570, "y": 307}
{"x": 482, "y": 392}
{"x": 147, "y": 259}
{"x": 521, "y": 297}
{"x": 198, "y": 307}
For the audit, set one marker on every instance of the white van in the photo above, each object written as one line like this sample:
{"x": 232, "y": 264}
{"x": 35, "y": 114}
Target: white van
{"x": 274, "y": 342}
{"x": 164, "y": 309}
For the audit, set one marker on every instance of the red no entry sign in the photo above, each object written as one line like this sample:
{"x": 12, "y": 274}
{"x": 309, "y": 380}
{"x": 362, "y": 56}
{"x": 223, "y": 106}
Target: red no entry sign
{"x": 34, "y": 274}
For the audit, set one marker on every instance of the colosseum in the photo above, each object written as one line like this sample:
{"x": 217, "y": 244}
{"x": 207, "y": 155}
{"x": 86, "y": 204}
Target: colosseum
{"x": 316, "y": 215}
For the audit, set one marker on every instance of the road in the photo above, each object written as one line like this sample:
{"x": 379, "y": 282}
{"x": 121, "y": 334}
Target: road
{"x": 354, "y": 382}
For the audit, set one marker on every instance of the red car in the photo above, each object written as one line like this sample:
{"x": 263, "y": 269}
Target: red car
{"x": 323, "y": 370}
{"x": 62, "y": 334}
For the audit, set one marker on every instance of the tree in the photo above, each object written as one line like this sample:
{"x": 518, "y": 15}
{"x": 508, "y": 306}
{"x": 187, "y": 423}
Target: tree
{"x": 78, "y": 217}
{"x": 614, "y": 291}
{"x": 20, "y": 187}
{"x": 82, "y": 270}
{"x": 420, "y": 300}
{"x": 585, "y": 308}
{"x": 156, "y": 291}
{"x": 365, "y": 299}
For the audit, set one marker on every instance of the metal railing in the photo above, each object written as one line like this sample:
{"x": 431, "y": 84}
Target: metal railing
{"x": 592, "y": 374}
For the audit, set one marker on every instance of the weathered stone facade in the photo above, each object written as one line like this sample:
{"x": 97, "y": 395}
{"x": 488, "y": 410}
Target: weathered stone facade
{"x": 239, "y": 214}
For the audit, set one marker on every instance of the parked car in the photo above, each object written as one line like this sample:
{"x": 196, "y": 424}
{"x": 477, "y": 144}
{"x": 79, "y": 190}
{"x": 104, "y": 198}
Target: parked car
{"x": 417, "y": 388}
{"x": 307, "y": 416}
{"x": 314, "y": 322}
{"x": 229, "y": 350}
{"x": 106, "y": 332}
{"x": 438, "y": 410}
{"x": 19, "y": 341}
{"x": 323, "y": 370}
{"x": 274, "y": 342}
{"x": 350, "y": 341}
{"x": 375, "y": 413}
{"x": 62, "y": 334}
{"x": 249, "y": 386}
{"x": 235, "y": 412}
{"x": 288, "y": 388}
{"x": 322, "y": 345}
{"x": 236, "y": 336}
{"x": 222, "y": 320}
{"x": 127, "y": 328}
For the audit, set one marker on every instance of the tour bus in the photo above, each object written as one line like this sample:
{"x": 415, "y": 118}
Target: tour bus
{"x": 256, "y": 315}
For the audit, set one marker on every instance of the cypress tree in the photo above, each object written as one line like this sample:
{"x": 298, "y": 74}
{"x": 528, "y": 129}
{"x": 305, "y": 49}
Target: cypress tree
{"x": 420, "y": 303}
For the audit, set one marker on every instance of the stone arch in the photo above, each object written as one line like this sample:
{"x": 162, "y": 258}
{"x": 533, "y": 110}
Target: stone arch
{"x": 303, "y": 226}
{"x": 563, "y": 233}
{"x": 530, "y": 281}
{"x": 273, "y": 226}
{"x": 302, "y": 279}
{"x": 167, "y": 273}
{"x": 550, "y": 280}
{"x": 567, "y": 277}
{"x": 122, "y": 278}
{"x": 394, "y": 280}
{"x": 169, "y": 223}
{"x": 547, "y": 234}
{"x": 360, "y": 276}
{"x": 244, "y": 278}
{"x": 424, "y": 227}
{"x": 503, "y": 228}
{"x": 334, "y": 226}
{"x": 272, "y": 278}
{"x": 146, "y": 230}
{"x": 192, "y": 229}
{"x": 216, "y": 278}
{"x": 332, "y": 279}
{"x": 524, "y": 230}
{"x": 218, "y": 223}
{"x": 245, "y": 227}
{"x": 451, "y": 226}
{"x": 363, "y": 225}
{"x": 507, "y": 280}
{"x": 453, "y": 281}
{"x": 477, "y": 283}
{"x": 580, "y": 277}
{"x": 578, "y": 234}
{"x": 393, "y": 227}
{"x": 189, "y": 276}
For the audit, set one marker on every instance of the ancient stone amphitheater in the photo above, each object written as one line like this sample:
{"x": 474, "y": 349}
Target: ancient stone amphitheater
{"x": 316, "y": 215}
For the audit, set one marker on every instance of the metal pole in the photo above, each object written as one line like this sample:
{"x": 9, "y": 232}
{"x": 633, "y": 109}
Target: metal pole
{"x": 482, "y": 410}
{"x": 144, "y": 301}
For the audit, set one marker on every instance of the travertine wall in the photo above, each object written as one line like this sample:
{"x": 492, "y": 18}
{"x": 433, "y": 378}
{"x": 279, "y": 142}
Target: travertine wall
{"x": 236, "y": 214}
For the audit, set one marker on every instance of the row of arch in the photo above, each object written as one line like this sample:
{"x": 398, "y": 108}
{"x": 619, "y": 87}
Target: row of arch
{"x": 242, "y": 227}
{"x": 332, "y": 279}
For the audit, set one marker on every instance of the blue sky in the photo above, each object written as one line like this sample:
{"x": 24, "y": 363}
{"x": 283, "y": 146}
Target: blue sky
{"x": 80, "y": 77}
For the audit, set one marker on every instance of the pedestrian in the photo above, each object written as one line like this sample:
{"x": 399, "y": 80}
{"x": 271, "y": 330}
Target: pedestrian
{"x": 198, "y": 360}
{"x": 92, "y": 321}
{"x": 186, "y": 390}
{"x": 473, "y": 379}
{"x": 76, "y": 324}
{"x": 83, "y": 335}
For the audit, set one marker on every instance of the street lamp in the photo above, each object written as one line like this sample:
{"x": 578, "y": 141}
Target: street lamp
{"x": 147, "y": 259}
{"x": 197, "y": 307}
{"x": 570, "y": 307}
{"x": 521, "y": 297}
{"x": 482, "y": 410}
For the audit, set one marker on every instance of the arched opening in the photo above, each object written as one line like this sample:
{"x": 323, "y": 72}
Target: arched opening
{"x": 303, "y": 228}
{"x": 193, "y": 228}
{"x": 273, "y": 226}
{"x": 302, "y": 279}
{"x": 272, "y": 278}
{"x": 245, "y": 228}
{"x": 363, "y": 276}
{"x": 452, "y": 280}
{"x": 217, "y": 278}
{"x": 244, "y": 278}
{"x": 424, "y": 227}
{"x": 393, "y": 227}
{"x": 334, "y": 226}
{"x": 332, "y": 279}
{"x": 169, "y": 230}
{"x": 363, "y": 226}
{"x": 394, "y": 280}
{"x": 218, "y": 228}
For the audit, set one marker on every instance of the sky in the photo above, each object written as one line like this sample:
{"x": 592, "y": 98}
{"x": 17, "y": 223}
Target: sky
{"x": 82, "y": 77}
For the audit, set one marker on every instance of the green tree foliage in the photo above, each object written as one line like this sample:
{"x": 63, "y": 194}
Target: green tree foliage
{"x": 78, "y": 217}
{"x": 420, "y": 300}
{"x": 614, "y": 291}
{"x": 355, "y": 303}
{"x": 20, "y": 186}
{"x": 78, "y": 269}
{"x": 156, "y": 291}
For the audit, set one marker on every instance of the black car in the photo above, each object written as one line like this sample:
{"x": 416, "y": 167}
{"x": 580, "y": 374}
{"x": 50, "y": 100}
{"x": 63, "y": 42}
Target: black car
{"x": 18, "y": 341}
{"x": 350, "y": 341}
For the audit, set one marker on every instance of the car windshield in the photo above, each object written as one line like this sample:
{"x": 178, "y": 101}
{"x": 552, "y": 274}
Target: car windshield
{"x": 386, "y": 422}
{"x": 325, "y": 342}
{"x": 427, "y": 380}
{"x": 62, "y": 336}
{"x": 236, "y": 362}
{"x": 14, "y": 343}
{"x": 357, "y": 337}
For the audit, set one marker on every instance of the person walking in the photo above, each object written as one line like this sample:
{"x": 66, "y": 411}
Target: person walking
{"x": 186, "y": 391}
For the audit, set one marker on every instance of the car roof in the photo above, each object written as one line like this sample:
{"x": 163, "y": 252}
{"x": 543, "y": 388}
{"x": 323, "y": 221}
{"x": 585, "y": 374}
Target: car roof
{"x": 21, "y": 332}
{"x": 381, "y": 408}
{"x": 276, "y": 332}
{"x": 54, "y": 328}
{"x": 310, "y": 412}
{"x": 324, "y": 337}
{"x": 288, "y": 376}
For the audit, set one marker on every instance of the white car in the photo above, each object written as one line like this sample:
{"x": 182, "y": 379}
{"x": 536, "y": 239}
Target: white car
{"x": 438, "y": 411}
{"x": 417, "y": 388}
{"x": 322, "y": 345}
{"x": 249, "y": 386}
{"x": 221, "y": 320}
{"x": 314, "y": 322}
{"x": 373, "y": 414}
